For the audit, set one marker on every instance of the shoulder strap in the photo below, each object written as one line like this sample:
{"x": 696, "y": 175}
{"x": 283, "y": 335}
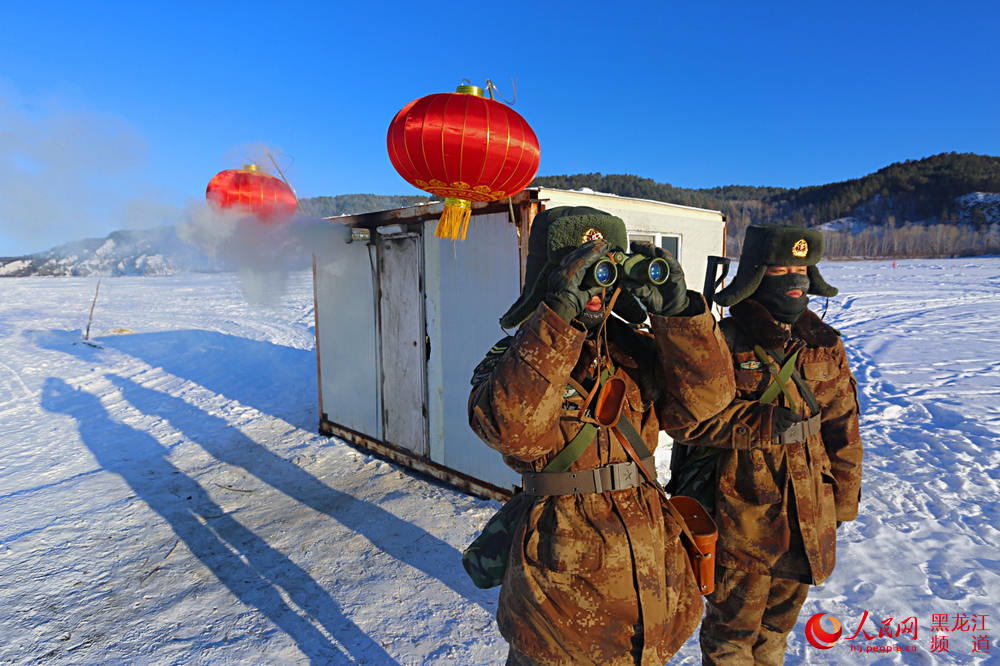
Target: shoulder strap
{"x": 627, "y": 429}
{"x": 569, "y": 455}
{"x": 780, "y": 376}
{"x": 804, "y": 389}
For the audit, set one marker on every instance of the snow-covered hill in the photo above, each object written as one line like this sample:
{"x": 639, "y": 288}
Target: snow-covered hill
{"x": 165, "y": 498}
{"x": 157, "y": 251}
{"x": 977, "y": 209}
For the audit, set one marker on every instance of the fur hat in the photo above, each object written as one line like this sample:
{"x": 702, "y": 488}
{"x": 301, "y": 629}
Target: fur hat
{"x": 555, "y": 233}
{"x": 770, "y": 245}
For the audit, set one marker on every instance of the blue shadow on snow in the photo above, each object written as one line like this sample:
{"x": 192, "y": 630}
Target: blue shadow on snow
{"x": 214, "y": 537}
{"x": 273, "y": 379}
{"x": 398, "y": 538}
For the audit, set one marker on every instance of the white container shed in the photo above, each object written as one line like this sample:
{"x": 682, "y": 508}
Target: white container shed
{"x": 403, "y": 318}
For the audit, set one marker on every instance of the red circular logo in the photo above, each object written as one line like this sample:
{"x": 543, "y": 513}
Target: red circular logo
{"x": 819, "y": 637}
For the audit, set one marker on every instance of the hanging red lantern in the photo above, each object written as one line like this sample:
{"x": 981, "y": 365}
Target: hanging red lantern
{"x": 464, "y": 147}
{"x": 263, "y": 196}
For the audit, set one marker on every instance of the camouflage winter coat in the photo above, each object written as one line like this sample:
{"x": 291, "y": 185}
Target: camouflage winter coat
{"x": 778, "y": 505}
{"x": 594, "y": 577}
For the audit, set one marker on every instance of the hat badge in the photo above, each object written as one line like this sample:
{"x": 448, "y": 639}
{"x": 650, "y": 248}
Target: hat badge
{"x": 591, "y": 234}
{"x": 800, "y": 249}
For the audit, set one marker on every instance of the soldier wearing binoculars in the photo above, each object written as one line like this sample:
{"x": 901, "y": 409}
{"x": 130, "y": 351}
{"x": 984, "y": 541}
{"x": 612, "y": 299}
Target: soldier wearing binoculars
{"x": 596, "y": 573}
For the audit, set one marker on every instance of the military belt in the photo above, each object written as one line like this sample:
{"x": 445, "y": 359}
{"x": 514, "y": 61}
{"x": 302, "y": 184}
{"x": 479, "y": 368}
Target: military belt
{"x": 617, "y": 476}
{"x": 799, "y": 431}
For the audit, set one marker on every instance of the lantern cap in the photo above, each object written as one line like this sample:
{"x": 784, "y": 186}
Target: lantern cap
{"x": 470, "y": 90}
{"x": 252, "y": 168}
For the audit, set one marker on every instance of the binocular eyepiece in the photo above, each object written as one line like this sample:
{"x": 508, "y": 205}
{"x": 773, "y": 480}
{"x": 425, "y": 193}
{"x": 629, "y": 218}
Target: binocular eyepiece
{"x": 636, "y": 267}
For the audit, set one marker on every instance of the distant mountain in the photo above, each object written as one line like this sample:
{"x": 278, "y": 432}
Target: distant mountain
{"x": 156, "y": 251}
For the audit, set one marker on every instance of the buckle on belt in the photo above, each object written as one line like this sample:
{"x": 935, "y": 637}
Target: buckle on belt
{"x": 792, "y": 434}
{"x": 623, "y": 475}
{"x": 800, "y": 431}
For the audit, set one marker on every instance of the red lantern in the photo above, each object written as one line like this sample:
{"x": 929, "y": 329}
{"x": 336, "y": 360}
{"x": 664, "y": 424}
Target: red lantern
{"x": 465, "y": 148}
{"x": 266, "y": 197}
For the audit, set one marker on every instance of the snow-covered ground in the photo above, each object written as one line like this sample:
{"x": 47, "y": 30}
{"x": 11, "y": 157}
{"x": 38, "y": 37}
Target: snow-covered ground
{"x": 165, "y": 498}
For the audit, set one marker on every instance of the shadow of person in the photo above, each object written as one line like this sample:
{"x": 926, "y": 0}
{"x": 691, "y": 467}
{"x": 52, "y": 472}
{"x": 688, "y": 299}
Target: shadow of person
{"x": 208, "y": 358}
{"x": 398, "y": 538}
{"x": 216, "y": 539}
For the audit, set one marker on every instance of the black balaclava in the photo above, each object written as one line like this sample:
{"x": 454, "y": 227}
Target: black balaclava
{"x": 772, "y": 294}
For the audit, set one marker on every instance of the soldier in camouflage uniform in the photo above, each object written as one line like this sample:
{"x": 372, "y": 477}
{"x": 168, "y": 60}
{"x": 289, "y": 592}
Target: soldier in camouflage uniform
{"x": 597, "y": 573}
{"x": 782, "y": 463}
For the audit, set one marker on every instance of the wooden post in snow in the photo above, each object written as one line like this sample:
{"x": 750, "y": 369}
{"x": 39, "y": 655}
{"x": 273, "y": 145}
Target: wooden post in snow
{"x": 86, "y": 336}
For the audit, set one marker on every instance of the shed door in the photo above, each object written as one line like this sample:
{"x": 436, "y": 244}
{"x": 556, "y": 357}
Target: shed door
{"x": 402, "y": 335}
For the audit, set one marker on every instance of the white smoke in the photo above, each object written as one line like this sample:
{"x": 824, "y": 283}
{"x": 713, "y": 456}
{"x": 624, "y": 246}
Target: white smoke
{"x": 67, "y": 173}
{"x": 262, "y": 254}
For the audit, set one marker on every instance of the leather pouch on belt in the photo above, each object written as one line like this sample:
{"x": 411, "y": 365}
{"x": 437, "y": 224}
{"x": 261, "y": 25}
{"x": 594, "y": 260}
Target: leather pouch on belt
{"x": 702, "y": 529}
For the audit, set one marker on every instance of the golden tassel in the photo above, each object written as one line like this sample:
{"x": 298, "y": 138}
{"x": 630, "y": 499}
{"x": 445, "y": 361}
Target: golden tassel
{"x": 454, "y": 221}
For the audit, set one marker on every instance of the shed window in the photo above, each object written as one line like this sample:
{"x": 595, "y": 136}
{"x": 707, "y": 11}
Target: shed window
{"x": 671, "y": 243}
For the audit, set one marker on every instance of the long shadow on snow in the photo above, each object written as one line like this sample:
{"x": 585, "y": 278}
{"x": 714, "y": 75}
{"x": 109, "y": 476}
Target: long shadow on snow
{"x": 215, "y": 538}
{"x": 402, "y": 540}
{"x": 273, "y": 379}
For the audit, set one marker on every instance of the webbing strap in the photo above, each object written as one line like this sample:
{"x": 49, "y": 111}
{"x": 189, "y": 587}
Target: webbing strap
{"x": 569, "y": 455}
{"x": 630, "y": 433}
{"x": 779, "y": 378}
{"x": 616, "y": 476}
{"x": 589, "y": 394}
{"x": 562, "y": 461}
{"x": 804, "y": 389}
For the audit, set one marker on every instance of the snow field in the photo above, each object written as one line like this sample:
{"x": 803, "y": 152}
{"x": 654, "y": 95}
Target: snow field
{"x": 165, "y": 498}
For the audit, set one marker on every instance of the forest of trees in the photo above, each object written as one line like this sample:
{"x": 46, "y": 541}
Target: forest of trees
{"x": 910, "y": 206}
{"x": 911, "y": 240}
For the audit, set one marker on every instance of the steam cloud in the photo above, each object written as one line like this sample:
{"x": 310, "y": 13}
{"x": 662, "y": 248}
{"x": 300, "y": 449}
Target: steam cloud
{"x": 64, "y": 174}
{"x": 261, "y": 254}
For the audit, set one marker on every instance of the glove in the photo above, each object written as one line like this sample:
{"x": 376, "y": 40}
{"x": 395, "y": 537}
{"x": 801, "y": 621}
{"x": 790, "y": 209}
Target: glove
{"x": 781, "y": 419}
{"x": 566, "y": 296}
{"x": 665, "y": 299}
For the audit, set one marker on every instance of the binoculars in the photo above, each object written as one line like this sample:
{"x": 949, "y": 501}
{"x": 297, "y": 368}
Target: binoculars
{"x": 636, "y": 267}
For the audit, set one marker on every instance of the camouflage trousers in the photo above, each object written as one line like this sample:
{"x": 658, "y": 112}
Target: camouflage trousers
{"x": 748, "y": 617}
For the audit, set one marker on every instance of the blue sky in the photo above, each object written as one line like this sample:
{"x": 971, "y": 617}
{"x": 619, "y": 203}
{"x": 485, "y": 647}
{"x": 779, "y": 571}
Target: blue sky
{"x": 117, "y": 114}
